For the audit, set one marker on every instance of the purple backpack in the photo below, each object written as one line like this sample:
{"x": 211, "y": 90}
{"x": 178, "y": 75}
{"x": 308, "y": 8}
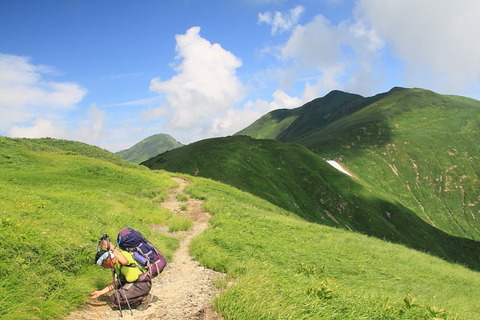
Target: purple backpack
{"x": 143, "y": 252}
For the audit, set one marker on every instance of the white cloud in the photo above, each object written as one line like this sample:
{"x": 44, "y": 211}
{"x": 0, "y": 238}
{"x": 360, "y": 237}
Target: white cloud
{"x": 433, "y": 43}
{"x": 27, "y": 97}
{"x": 153, "y": 113}
{"x": 204, "y": 86}
{"x": 283, "y": 101}
{"x": 315, "y": 44}
{"x": 331, "y": 57}
{"x": 33, "y": 107}
{"x": 281, "y": 22}
{"x": 235, "y": 120}
{"x": 92, "y": 130}
{"x": 39, "y": 128}
{"x": 437, "y": 39}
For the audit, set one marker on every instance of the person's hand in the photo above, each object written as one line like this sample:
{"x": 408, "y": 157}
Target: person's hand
{"x": 105, "y": 245}
{"x": 96, "y": 294}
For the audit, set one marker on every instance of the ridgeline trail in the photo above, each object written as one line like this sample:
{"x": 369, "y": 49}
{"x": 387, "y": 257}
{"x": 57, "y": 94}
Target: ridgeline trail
{"x": 184, "y": 290}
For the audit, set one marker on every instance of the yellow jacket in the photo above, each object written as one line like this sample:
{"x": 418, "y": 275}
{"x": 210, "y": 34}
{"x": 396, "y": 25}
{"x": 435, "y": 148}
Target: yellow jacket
{"x": 129, "y": 272}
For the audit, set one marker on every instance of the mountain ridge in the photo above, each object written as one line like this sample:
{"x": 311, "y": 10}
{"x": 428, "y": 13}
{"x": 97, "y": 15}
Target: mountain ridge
{"x": 411, "y": 135}
{"x": 300, "y": 181}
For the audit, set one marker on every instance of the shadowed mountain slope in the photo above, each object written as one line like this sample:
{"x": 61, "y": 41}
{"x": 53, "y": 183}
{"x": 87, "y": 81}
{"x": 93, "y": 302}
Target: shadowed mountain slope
{"x": 418, "y": 146}
{"x": 294, "y": 178}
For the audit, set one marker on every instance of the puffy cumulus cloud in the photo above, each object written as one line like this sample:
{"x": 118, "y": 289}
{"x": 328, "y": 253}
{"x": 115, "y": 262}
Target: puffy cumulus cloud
{"x": 329, "y": 56}
{"x": 281, "y": 22}
{"x": 26, "y": 96}
{"x": 205, "y": 83}
{"x": 434, "y": 38}
{"x": 281, "y": 100}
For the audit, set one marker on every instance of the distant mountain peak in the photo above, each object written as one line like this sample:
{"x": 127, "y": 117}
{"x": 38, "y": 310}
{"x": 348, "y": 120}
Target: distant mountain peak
{"x": 397, "y": 89}
{"x": 149, "y": 147}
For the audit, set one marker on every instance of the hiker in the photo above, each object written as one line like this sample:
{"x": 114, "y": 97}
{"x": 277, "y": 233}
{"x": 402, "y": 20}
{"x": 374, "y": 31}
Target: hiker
{"x": 130, "y": 292}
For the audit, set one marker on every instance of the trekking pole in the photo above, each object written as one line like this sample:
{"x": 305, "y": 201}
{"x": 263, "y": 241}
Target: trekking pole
{"x": 116, "y": 292}
{"x": 128, "y": 303}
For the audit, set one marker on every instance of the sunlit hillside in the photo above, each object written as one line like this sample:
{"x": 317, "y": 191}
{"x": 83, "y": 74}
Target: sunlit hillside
{"x": 149, "y": 147}
{"x": 300, "y": 181}
{"x": 417, "y": 146}
{"x": 58, "y": 197}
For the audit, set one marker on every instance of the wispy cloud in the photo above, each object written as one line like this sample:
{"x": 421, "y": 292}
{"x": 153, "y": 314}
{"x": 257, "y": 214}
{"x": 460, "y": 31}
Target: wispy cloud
{"x": 139, "y": 102}
{"x": 125, "y": 75}
{"x": 39, "y": 128}
{"x": 93, "y": 128}
{"x": 331, "y": 56}
{"x": 281, "y": 22}
{"x": 33, "y": 107}
{"x": 434, "y": 38}
{"x": 26, "y": 96}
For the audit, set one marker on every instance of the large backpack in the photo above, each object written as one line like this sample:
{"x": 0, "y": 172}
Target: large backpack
{"x": 143, "y": 251}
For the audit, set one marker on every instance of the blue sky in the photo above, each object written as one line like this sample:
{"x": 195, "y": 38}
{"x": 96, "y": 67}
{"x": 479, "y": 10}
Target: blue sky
{"x": 111, "y": 73}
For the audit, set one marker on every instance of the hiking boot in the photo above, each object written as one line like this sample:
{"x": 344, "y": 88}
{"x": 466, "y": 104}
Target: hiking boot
{"x": 146, "y": 302}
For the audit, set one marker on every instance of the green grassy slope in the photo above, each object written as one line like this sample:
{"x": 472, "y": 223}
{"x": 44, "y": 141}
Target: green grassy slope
{"x": 418, "y": 146}
{"x": 287, "y": 268}
{"x": 65, "y": 147}
{"x": 300, "y": 181}
{"x": 56, "y": 199}
{"x": 149, "y": 147}
{"x": 55, "y": 203}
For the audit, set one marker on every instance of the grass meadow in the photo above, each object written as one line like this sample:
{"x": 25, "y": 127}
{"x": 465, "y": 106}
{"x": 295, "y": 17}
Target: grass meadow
{"x": 283, "y": 267}
{"x": 55, "y": 205}
{"x": 58, "y": 198}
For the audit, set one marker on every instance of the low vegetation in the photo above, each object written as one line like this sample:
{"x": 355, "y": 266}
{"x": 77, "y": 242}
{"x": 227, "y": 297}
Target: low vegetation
{"x": 298, "y": 239}
{"x": 57, "y": 199}
{"x": 287, "y": 268}
{"x": 179, "y": 223}
{"x": 300, "y": 181}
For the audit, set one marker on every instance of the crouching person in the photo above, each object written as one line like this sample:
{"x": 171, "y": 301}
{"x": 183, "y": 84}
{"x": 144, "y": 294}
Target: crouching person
{"x": 129, "y": 291}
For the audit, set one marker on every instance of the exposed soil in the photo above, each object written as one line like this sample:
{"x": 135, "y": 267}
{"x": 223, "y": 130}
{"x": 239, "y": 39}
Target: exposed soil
{"x": 184, "y": 289}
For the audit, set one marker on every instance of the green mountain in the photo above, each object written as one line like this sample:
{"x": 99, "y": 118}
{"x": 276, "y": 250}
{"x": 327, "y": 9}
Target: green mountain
{"x": 283, "y": 124}
{"x": 300, "y": 181}
{"x": 418, "y": 146}
{"x": 149, "y": 147}
{"x": 58, "y": 197}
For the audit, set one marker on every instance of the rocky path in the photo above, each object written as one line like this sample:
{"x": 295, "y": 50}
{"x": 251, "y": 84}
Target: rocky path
{"x": 184, "y": 289}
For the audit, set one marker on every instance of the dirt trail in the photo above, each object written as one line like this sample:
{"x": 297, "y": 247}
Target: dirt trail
{"x": 184, "y": 289}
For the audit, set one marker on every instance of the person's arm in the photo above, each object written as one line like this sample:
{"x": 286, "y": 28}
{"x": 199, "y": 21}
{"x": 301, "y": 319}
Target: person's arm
{"x": 120, "y": 257}
{"x": 105, "y": 290}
